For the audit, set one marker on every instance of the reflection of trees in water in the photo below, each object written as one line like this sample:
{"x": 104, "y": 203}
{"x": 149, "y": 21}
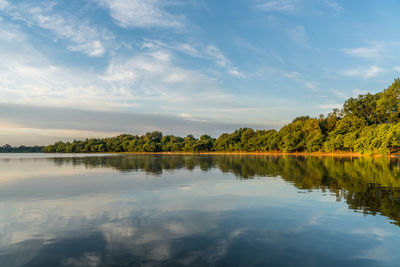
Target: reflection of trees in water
{"x": 151, "y": 164}
{"x": 370, "y": 185}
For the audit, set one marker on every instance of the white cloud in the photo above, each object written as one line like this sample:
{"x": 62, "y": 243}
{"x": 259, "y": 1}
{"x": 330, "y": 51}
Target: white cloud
{"x": 82, "y": 36}
{"x": 357, "y": 92}
{"x": 293, "y": 75}
{"x": 176, "y": 46}
{"x": 188, "y": 49}
{"x": 3, "y": 4}
{"x": 397, "y": 69}
{"x": 150, "y": 80}
{"x": 236, "y": 73}
{"x": 155, "y": 77}
{"x": 294, "y": 6}
{"x": 333, "y": 5}
{"x": 376, "y": 50}
{"x": 298, "y": 35}
{"x": 209, "y": 52}
{"x": 329, "y": 106}
{"x": 364, "y": 52}
{"x": 311, "y": 85}
{"x": 93, "y": 48}
{"x": 27, "y": 76}
{"x": 278, "y": 5}
{"x": 141, "y": 13}
{"x": 43, "y": 125}
{"x": 161, "y": 56}
{"x": 338, "y": 93}
{"x": 114, "y": 74}
{"x": 175, "y": 77}
{"x": 217, "y": 55}
{"x": 370, "y": 72}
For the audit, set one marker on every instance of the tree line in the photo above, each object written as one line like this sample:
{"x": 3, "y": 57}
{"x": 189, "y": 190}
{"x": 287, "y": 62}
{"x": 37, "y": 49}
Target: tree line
{"x": 368, "y": 123}
{"x": 20, "y": 149}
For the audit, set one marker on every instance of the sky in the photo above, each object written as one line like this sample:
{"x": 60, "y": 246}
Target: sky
{"x": 94, "y": 68}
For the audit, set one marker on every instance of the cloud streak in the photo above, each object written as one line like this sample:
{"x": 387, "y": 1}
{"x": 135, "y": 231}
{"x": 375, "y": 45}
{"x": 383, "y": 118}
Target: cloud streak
{"x": 277, "y": 5}
{"x": 298, "y": 35}
{"x": 141, "y": 14}
{"x": 364, "y": 52}
{"x": 209, "y": 52}
{"x": 3, "y": 4}
{"x": 80, "y": 35}
{"x": 150, "y": 80}
{"x": 295, "y": 76}
{"x": 365, "y": 73}
{"x": 68, "y": 123}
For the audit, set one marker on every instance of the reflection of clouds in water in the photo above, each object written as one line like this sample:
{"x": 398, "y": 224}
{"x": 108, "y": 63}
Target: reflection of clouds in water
{"x": 90, "y": 259}
{"x": 150, "y": 236}
{"x": 379, "y": 233}
{"x": 153, "y": 237}
{"x": 27, "y": 220}
{"x": 178, "y": 217}
{"x": 128, "y": 227}
{"x": 379, "y": 253}
{"x": 20, "y": 253}
{"x": 15, "y": 169}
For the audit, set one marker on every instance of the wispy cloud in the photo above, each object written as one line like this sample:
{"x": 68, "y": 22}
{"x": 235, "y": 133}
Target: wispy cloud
{"x": 80, "y": 35}
{"x": 369, "y": 72}
{"x": 216, "y": 54}
{"x": 236, "y": 73}
{"x": 298, "y": 35}
{"x": 3, "y": 4}
{"x": 186, "y": 48}
{"x": 376, "y": 50}
{"x": 365, "y": 52}
{"x": 333, "y": 5}
{"x": 141, "y": 13}
{"x": 339, "y": 94}
{"x": 147, "y": 80}
{"x": 277, "y": 5}
{"x": 209, "y": 52}
{"x": 293, "y": 75}
{"x": 329, "y": 106}
{"x": 154, "y": 75}
{"x": 69, "y": 123}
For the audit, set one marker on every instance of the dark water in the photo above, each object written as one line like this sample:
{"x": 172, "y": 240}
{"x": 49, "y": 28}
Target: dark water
{"x": 184, "y": 210}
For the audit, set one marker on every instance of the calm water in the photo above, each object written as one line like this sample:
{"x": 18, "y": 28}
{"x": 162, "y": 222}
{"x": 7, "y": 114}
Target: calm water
{"x": 184, "y": 210}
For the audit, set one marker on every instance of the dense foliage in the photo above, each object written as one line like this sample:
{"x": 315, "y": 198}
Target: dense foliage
{"x": 20, "y": 149}
{"x": 368, "y": 124}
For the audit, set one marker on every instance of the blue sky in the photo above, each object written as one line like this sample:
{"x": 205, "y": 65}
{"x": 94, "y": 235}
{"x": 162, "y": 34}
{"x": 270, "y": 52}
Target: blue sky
{"x": 73, "y": 69}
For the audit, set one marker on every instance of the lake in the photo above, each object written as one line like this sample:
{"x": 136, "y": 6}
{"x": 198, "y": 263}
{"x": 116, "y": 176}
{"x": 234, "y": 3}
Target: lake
{"x": 198, "y": 210}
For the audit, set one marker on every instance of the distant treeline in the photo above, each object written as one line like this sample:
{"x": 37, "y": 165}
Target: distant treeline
{"x": 369, "y": 123}
{"x": 20, "y": 149}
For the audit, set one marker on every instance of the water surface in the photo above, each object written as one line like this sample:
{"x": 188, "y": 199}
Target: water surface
{"x": 196, "y": 210}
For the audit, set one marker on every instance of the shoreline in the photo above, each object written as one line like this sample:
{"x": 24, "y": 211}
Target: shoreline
{"x": 315, "y": 154}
